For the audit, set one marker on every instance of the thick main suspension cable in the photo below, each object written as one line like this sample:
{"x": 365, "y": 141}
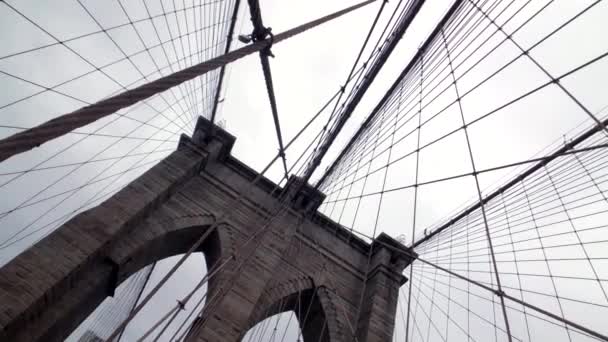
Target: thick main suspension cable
{"x": 369, "y": 77}
{"x": 388, "y": 93}
{"x": 36, "y": 136}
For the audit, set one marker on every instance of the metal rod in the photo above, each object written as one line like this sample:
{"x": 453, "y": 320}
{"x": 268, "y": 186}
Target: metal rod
{"x": 260, "y": 32}
{"x": 273, "y": 106}
{"x": 162, "y": 331}
{"x": 156, "y": 324}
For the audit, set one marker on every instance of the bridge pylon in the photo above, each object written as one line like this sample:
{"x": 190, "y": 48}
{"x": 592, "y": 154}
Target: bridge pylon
{"x": 269, "y": 264}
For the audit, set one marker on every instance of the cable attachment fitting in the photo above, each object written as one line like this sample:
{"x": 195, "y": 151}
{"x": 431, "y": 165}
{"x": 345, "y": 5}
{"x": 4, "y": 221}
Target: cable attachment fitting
{"x": 267, "y": 33}
{"x": 259, "y": 35}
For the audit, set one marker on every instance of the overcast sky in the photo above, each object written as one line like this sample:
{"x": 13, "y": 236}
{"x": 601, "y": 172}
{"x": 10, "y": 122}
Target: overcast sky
{"x": 307, "y": 71}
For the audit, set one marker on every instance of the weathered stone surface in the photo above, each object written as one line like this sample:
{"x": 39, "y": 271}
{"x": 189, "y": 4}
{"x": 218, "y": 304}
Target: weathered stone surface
{"x": 300, "y": 257}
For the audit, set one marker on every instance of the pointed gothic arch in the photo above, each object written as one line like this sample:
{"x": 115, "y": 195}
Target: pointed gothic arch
{"x": 51, "y": 287}
{"x": 154, "y": 239}
{"x": 314, "y": 307}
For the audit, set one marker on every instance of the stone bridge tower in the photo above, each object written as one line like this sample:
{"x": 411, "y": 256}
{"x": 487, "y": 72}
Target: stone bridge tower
{"x": 53, "y": 286}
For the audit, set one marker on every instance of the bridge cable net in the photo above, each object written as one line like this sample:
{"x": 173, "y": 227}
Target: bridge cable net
{"x": 49, "y": 130}
{"x": 301, "y": 306}
{"x": 108, "y": 316}
{"x": 297, "y": 168}
{"x": 104, "y": 313}
{"x": 445, "y": 34}
{"x": 104, "y": 49}
{"x": 345, "y": 103}
{"x": 108, "y": 47}
{"x": 397, "y": 24}
{"x": 484, "y": 115}
{"x": 569, "y": 325}
{"x": 164, "y": 134}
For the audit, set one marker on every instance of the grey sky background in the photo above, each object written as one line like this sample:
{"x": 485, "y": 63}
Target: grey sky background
{"x": 307, "y": 70}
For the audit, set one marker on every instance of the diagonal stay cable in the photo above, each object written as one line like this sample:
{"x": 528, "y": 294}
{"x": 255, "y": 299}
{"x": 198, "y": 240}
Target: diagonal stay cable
{"x": 95, "y": 133}
{"x": 162, "y": 45}
{"x": 478, "y": 187}
{"x": 544, "y": 70}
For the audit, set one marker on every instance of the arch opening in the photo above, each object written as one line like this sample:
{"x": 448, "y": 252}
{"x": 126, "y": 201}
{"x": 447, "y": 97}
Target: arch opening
{"x": 299, "y": 316}
{"x": 279, "y": 327}
{"x": 140, "y": 270}
{"x": 114, "y": 310}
